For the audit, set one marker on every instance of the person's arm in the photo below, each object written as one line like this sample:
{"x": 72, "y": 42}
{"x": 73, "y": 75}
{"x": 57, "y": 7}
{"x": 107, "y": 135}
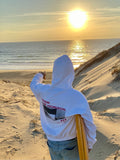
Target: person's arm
{"x": 36, "y": 84}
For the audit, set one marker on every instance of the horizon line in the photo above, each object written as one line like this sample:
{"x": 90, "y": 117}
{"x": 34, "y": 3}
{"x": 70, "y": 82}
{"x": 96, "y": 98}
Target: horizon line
{"x": 57, "y": 40}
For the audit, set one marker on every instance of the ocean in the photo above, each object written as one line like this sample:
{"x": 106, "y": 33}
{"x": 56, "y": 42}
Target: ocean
{"x": 41, "y": 55}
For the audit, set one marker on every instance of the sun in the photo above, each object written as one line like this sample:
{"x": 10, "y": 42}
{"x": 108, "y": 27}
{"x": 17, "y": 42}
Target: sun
{"x": 77, "y": 18}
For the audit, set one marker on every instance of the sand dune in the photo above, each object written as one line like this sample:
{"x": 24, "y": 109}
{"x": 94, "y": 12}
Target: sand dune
{"x": 102, "y": 89}
{"x": 21, "y": 135}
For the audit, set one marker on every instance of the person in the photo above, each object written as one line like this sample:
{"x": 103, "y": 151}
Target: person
{"x": 59, "y": 103}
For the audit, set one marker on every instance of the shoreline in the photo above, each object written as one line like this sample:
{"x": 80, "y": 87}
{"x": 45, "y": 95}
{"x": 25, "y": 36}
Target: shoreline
{"x": 30, "y": 70}
{"x": 22, "y": 76}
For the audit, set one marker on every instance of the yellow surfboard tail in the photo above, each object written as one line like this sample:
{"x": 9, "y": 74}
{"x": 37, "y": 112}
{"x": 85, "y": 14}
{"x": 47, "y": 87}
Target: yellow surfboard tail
{"x": 81, "y": 138}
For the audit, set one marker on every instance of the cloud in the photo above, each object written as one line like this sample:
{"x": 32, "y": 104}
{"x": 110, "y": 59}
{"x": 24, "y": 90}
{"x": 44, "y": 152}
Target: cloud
{"x": 40, "y": 14}
{"x": 105, "y": 15}
{"x": 106, "y": 12}
{"x": 109, "y": 9}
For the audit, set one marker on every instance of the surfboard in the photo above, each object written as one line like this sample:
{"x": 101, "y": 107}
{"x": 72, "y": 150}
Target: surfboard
{"x": 81, "y": 138}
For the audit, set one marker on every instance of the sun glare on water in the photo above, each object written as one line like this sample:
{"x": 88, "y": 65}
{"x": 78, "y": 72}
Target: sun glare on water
{"x": 77, "y": 18}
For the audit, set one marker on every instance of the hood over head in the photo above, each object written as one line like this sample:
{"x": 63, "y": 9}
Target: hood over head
{"x": 63, "y": 72}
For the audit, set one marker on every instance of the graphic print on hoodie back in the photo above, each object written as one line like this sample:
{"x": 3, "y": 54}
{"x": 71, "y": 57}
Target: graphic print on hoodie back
{"x": 53, "y": 112}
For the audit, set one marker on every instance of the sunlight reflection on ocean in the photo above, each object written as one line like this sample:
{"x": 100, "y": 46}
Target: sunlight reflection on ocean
{"x": 79, "y": 53}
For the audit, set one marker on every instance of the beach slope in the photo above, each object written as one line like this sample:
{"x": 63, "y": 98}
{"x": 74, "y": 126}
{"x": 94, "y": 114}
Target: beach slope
{"x": 99, "y": 80}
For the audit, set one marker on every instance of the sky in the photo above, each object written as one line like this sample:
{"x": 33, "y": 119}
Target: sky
{"x": 46, "y": 20}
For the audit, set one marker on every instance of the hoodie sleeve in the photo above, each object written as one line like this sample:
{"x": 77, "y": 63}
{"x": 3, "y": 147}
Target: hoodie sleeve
{"x": 36, "y": 85}
{"x": 90, "y": 128}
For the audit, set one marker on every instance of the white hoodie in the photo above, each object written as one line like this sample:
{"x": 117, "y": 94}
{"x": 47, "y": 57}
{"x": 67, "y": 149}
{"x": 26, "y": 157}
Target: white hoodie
{"x": 59, "y": 102}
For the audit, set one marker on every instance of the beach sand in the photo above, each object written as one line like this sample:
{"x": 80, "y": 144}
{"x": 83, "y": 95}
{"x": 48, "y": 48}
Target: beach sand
{"x": 21, "y": 134}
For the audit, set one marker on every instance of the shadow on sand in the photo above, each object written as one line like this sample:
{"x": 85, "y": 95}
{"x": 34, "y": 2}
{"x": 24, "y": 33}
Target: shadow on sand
{"x": 101, "y": 153}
